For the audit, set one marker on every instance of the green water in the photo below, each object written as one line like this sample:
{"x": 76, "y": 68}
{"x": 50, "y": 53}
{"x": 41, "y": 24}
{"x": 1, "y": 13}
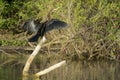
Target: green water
{"x": 71, "y": 71}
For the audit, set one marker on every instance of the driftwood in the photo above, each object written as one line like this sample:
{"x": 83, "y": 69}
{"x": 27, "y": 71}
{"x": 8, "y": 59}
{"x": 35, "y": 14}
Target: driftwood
{"x": 45, "y": 71}
{"x": 30, "y": 59}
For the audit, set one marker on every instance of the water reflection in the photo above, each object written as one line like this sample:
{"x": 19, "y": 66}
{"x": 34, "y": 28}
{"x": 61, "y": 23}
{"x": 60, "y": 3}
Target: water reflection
{"x": 10, "y": 72}
{"x": 86, "y": 71}
{"x": 72, "y": 71}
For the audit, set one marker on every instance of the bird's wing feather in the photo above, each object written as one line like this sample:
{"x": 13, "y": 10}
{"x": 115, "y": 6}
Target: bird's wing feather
{"x": 31, "y": 26}
{"x": 55, "y": 24}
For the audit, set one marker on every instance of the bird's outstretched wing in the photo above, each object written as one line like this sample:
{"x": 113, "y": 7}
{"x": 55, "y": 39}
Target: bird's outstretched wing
{"x": 55, "y": 24}
{"x": 31, "y": 26}
{"x": 42, "y": 28}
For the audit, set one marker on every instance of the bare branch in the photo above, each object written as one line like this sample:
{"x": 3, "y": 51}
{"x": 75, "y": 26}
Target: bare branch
{"x": 30, "y": 59}
{"x": 45, "y": 71}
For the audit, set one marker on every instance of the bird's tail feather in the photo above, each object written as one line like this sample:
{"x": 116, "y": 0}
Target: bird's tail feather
{"x": 34, "y": 38}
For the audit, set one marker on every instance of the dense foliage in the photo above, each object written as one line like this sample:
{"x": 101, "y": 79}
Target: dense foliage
{"x": 95, "y": 24}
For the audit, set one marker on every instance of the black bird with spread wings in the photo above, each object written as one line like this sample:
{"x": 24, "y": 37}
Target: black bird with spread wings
{"x": 40, "y": 29}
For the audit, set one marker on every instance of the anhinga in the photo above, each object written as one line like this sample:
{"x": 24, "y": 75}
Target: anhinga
{"x": 40, "y": 29}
